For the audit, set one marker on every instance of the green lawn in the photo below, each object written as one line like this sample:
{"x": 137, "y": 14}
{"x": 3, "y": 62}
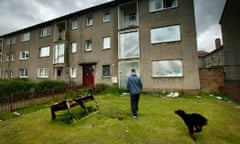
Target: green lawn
{"x": 111, "y": 124}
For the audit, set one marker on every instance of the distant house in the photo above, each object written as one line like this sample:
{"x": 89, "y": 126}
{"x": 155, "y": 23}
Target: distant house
{"x": 212, "y": 59}
{"x": 230, "y": 31}
{"x": 100, "y": 45}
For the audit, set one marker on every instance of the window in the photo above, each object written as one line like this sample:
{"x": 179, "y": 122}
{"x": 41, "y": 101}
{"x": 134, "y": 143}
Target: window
{"x": 8, "y": 74}
{"x": 8, "y": 41}
{"x": 74, "y": 24}
{"x": 106, "y": 42}
{"x": 106, "y": 70}
{"x": 106, "y": 16}
{"x": 7, "y": 58}
{"x": 73, "y": 72}
{"x": 45, "y": 51}
{"x": 167, "y": 68}
{"x": 165, "y": 34}
{"x": 1, "y": 45}
{"x": 1, "y": 61}
{"x": 46, "y": 31}
{"x": 12, "y": 56}
{"x": 156, "y": 5}
{"x": 74, "y": 47}
{"x": 11, "y": 41}
{"x": 23, "y": 72}
{"x": 129, "y": 45}
{"x": 25, "y": 37}
{"x": 88, "y": 45}
{"x": 89, "y": 21}
{"x": 124, "y": 70}
{"x": 24, "y": 55}
{"x": 132, "y": 19}
{"x": 59, "y": 54}
{"x": 14, "y": 40}
{"x": 43, "y": 73}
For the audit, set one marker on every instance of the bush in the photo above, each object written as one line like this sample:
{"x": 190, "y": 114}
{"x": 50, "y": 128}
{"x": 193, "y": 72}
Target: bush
{"x": 15, "y": 85}
{"x": 49, "y": 84}
{"x": 18, "y": 85}
{"x": 113, "y": 89}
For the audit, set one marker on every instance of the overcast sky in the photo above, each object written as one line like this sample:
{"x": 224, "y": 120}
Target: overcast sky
{"x": 18, "y": 14}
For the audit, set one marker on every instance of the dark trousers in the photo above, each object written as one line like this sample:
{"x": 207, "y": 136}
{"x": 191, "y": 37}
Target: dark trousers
{"x": 134, "y": 99}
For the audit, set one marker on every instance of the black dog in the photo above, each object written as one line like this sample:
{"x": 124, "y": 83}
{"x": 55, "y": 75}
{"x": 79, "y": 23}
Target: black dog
{"x": 192, "y": 121}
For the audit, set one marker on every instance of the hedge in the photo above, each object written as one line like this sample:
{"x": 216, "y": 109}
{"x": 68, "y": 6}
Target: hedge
{"x": 18, "y": 85}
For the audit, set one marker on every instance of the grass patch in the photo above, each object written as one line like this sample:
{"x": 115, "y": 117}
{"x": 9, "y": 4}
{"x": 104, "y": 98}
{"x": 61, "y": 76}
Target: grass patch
{"x": 111, "y": 124}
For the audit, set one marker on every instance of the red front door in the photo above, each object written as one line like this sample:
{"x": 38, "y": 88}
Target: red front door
{"x": 88, "y": 76}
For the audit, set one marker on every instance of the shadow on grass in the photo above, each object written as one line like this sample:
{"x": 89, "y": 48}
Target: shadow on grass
{"x": 76, "y": 114}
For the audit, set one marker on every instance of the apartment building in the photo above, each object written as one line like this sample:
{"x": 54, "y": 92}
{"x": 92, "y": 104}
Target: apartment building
{"x": 102, "y": 43}
{"x": 230, "y": 32}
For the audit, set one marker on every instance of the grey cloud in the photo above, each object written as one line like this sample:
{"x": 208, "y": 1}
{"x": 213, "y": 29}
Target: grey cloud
{"x": 208, "y": 13}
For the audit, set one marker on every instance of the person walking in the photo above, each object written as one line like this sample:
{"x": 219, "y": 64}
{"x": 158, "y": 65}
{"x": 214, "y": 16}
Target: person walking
{"x": 134, "y": 86}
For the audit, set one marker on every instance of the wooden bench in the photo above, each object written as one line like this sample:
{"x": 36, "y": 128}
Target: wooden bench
{"x": 67, "y": 104}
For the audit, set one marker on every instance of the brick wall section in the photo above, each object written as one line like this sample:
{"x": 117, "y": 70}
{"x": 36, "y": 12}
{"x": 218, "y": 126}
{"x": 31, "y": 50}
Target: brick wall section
{"x": 211, "y": 79}
{"x": 231, "y": 92}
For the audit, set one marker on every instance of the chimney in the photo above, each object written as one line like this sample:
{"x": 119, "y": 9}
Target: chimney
{"x": 217, "y": 43}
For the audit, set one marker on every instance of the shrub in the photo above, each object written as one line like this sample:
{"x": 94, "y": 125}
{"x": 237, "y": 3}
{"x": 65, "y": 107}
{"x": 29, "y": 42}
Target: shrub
{"x": 113, "y": 89}
{"x": 18, "y": 85}
{"x": 15, "y": 85}
{"x": 49, "y": 84}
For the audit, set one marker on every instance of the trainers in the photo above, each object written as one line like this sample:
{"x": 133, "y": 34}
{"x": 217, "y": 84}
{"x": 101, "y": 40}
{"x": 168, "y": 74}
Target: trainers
{"x": 134, "y": 117}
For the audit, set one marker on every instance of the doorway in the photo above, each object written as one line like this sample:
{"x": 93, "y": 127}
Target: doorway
{"x": 59, "y": 73}
{"x": 88, "y": 75}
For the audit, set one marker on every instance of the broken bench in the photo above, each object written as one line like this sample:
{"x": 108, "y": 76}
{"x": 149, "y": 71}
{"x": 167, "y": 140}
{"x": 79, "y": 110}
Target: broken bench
{"x": 68, "y": 104}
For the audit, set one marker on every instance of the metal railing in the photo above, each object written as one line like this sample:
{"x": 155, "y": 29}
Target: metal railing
{"x": 25, "y": 99}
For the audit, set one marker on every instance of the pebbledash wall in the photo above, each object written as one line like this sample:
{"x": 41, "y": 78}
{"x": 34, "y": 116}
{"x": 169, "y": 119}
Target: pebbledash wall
{"x": 100, "y": 45}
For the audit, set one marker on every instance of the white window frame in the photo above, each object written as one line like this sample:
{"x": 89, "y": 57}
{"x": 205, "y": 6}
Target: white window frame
{"x": 88, "y": 45}
{"x": 126, "y": 50}
{"x": 59, "y": 54}
{"x": 73, "y": 72}
{"x": 165, "y": 34}
{"x": 106, "y": 42}
{"x": 74, "y": 47}
{"x": 44, "y": 51}
{"x": 7, "y": 57}
{"x": 12, "y": 56}
{"x": 89, "y": 20}
{"x": 11, "y": 40}
{"x": 1, "y": 61}
{"x": 46, "y": 31}
{"x": 43, "y": 72}
{"x": 25, "y": 37}
{"x": 106, "y": 16}
{"x": 24, "y": 55}
{"x": 74, "y": 24}
{"x": 152, "y": 5}
{"x": 167, "y": 68}
{"x": 8, "y": 41}
{"x": 23, "y": 73}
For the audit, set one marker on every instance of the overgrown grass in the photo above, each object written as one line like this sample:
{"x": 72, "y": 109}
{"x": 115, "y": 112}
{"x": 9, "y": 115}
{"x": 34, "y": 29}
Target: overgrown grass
{"x": 111, "y": 124}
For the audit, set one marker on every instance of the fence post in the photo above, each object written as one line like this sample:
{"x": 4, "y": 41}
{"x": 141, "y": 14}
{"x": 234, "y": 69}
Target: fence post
{"x": 53, "y": 93}
{"x": 11, "y": 102}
